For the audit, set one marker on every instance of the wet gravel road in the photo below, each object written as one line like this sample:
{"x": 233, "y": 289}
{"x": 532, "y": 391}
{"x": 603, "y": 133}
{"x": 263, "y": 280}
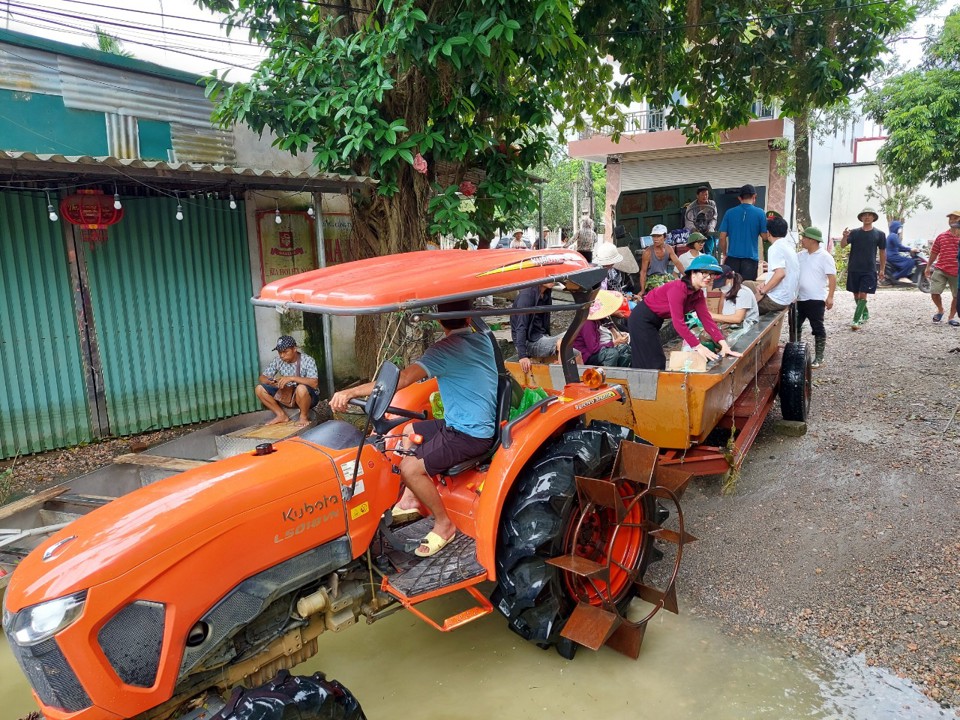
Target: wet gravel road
{"x": 847, "y": 538}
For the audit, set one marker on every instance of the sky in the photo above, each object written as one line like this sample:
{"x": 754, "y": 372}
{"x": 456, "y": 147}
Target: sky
{"x": 174, "y": 33}
{"x": 178, "y": 34}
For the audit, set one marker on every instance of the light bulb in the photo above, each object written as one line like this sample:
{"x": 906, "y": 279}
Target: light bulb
{"x": 117, "y": 205}
{"x": 278, "y": 219}
{"x": 310, "y": 211}
{"x": 233, "y": 203}
{"x": 179, "y": 212}
{"x": 52, "y": 214}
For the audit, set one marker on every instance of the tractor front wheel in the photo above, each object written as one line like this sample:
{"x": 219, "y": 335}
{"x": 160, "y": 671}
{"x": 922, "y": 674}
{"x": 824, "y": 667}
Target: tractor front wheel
{"x": 543, "y": 519}
{"x": 291, "y": 697}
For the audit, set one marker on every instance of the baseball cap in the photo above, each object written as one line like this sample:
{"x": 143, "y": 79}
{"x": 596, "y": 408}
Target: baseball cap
{"x": 747, "y": 190}
{"x": 285, "y": 343}
{"x": 659, "y": 230}
{"x": 722, "y": 279}
{"x": 954, "y": 213}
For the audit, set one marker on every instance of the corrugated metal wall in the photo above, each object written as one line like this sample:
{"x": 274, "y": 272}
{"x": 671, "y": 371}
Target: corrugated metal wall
{"x": 174, "y": 323}
{"x": 43, "y": 401}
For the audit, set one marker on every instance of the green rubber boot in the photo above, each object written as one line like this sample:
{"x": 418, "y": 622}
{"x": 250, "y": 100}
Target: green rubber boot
{"x": 820, "y": 344}
{"x": 866, "y": 313}
{"x": 858, "y": 314}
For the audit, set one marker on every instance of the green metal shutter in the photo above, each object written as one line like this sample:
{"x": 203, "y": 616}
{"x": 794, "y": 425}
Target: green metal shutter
{"x": 174, "y": 324}
{"x": 43, "y": 400}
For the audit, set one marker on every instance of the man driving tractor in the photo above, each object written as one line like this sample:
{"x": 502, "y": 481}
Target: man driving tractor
{"x": 465, "y": 367}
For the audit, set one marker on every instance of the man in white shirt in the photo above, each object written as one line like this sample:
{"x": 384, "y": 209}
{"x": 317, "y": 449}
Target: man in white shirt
{"x": 818, "y": 280}
{"x": 780, "y": 289}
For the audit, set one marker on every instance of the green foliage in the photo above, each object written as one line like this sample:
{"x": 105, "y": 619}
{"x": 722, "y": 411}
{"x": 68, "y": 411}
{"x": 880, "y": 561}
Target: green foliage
{"x": 464, "y": 85}
{"x": 722, "y": 56}
{"x": 417, "y": 94}
{"x": 920, "y": 110}
{"x": 897, "y": 201}
{"x": 562, "y": 173}
{"x": 6, "y": 485}
{"x": 841, "y": 257}
{"x": 109, "y": 44}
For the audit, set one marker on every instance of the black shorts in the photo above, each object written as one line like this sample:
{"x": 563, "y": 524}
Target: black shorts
{"x": 314, "y": 394}
{"x": 745, "y": 266}
{"x": 444, "y": 447}
{"x": 862, "y": 282}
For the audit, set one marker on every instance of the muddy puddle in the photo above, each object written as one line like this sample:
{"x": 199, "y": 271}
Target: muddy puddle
{"x": 688, "y": 669}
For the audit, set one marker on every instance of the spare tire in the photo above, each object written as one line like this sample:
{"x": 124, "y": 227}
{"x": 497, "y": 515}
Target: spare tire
{"x": 538, "y": 523}
{"x": 795, "y": 381}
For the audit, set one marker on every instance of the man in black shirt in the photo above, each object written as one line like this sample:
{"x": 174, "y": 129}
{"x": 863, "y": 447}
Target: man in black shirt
{"x": 531, "y": 333}
{"x": 865, "y": 243}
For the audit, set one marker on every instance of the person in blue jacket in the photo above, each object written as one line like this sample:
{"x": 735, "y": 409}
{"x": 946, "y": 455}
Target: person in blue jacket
{"x": 898, "y": 255}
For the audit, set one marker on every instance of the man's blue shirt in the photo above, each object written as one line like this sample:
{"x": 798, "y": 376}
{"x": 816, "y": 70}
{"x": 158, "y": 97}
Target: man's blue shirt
{"x": 743, "y": 225}
{"x": 465, "y": 368}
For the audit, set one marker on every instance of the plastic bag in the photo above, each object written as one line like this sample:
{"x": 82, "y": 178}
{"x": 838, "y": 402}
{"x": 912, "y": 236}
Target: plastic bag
{"x": 436, "y": 405}
{"x": 531, "y": 396}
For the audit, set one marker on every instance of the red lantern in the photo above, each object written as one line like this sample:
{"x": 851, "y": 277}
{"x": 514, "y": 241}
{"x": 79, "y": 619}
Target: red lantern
{"x": 93, "y": 212}
{"x": 468, "y": 189}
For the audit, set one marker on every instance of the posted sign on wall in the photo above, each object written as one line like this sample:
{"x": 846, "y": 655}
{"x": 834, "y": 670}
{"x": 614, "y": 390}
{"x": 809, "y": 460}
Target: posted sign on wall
{"x": 288, "y": 247}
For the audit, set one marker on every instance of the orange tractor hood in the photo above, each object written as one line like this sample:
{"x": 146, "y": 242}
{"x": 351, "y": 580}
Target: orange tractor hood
{"x": 177, "y": 514}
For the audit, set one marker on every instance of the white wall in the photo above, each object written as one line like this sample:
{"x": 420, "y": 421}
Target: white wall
{"x": 849, "y": 197}
{"x": 827, "y": 153}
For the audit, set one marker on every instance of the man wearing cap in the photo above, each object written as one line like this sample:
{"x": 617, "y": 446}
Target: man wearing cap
{"x": 517, "y": 243}
{"x": 865, "y": 243}
{"x": 739, "y": 230}
{"x": 942, "y": 268}
{"x": 701, "y": 214}
{"x": 818, "y": 281}
{"x": 290, "y": 368}
{"x": 659, "y": 258}
{"x": 780, "y": 288}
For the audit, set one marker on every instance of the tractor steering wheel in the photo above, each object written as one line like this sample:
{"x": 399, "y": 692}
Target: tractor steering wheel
{"x": 377, "y": 403}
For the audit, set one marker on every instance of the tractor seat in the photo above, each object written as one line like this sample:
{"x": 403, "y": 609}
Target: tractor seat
{"x": 505, "y": 389}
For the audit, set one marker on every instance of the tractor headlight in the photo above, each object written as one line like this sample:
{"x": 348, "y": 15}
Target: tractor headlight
{"x": 41, "y": 622}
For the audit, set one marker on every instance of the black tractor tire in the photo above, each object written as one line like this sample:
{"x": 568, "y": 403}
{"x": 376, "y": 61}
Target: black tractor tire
{"x": 795, "y": 381}
{"x": 291, "y": 697}
{"x": 923, "y": 283}
{"x": 538, "y": 516}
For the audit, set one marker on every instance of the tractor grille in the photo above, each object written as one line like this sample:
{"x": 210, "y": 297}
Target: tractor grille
{"x": 132, "y": 641}
{"x": 50, "y": 674}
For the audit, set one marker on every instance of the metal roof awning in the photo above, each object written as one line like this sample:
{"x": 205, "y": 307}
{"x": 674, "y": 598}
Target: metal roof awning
{"x": 26, "y": 164}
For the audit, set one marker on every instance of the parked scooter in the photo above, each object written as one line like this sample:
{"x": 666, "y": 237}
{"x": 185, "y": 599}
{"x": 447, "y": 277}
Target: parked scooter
{"x": 916, "y": 276}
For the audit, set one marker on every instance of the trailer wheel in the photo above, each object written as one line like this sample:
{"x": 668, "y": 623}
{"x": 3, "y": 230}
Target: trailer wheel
{"x": 290, "y": 697}
{"x": 795, "y": 381}
{"x": 539, "y": 519}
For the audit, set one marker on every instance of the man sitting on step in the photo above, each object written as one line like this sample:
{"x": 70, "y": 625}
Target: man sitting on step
{"x": 290, "y": 380}
{"x": 465, "y": 367}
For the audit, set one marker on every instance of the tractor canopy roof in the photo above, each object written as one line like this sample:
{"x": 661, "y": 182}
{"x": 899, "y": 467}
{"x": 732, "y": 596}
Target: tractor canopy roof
{"x": 418, "y": 279}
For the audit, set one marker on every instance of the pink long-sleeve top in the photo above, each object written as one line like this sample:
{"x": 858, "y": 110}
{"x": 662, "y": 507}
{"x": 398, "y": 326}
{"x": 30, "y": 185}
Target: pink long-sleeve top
{"x": 674, "y": 300}
{"x": 588, "y": 340}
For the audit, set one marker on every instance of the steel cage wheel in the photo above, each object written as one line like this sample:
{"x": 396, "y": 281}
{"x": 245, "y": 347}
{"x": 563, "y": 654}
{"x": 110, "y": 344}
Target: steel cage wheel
{"x": 541, "y": 520}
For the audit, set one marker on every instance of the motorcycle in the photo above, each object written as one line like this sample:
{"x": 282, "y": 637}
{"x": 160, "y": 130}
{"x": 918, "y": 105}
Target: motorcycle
{"x": 917, "y": 275}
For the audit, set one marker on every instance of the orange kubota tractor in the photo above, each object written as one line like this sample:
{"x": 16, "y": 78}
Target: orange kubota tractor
{"x": 192, "y": 597}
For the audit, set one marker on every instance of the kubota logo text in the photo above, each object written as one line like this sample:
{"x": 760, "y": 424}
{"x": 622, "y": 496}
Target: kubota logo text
{"x": 308, "y": 517}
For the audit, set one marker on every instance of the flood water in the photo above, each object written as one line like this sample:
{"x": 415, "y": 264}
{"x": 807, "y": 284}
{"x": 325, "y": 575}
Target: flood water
{"x": 688, "y": 670}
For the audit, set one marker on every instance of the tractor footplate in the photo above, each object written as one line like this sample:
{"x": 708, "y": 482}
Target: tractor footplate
{"x": 454, "y": 564}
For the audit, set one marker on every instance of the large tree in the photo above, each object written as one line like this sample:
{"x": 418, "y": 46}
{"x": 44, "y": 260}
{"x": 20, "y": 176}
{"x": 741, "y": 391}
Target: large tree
{"x": 920, "y": 110}
{"x": 437, "y": 98}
